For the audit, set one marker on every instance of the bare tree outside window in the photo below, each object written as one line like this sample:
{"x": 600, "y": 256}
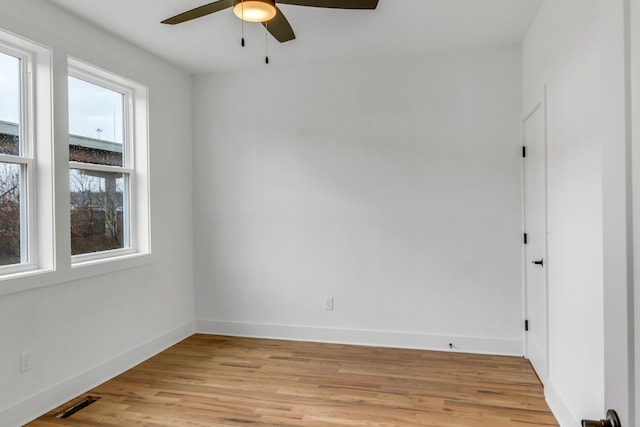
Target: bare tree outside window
{"x": 10, "y": 218}
{"x": 97, "y": 210}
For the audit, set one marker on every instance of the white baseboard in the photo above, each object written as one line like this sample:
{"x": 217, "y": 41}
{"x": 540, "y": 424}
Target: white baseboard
{"x": 462, "y": 344}
{"x": 558, "y": 407}
{"x": 45, "y": 401}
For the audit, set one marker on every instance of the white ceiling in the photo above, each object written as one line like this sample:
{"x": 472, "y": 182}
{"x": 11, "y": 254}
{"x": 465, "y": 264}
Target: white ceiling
{"x": 212, "y": 43}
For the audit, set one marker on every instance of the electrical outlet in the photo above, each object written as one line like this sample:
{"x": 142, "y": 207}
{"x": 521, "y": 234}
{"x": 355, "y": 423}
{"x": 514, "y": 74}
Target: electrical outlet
{"x": 328, "y": 303}
{"x": 25, "y": 361}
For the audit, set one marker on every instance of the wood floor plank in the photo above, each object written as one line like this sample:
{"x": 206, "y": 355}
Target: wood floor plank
{"x": 217, "y": 381}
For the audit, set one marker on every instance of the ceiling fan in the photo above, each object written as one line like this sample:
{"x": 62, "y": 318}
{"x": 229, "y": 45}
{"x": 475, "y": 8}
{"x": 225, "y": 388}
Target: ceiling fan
{"x": 266, "y": 12}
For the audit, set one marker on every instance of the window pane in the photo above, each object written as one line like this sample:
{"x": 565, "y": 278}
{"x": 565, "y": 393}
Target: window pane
{"x": 96, "y": 123}
{"x": 98, "y": 211}
{"x": 10, "y": 215}
{"x": 9, "y": 104}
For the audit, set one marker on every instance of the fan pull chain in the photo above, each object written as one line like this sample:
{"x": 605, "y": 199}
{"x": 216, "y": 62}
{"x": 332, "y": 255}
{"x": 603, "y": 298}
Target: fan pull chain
{"x": 242, "y": 20}
{"x": 266, "y": 42}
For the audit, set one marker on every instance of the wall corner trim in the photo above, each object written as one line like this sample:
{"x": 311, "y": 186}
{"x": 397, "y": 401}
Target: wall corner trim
{"x": 558, "y": 407}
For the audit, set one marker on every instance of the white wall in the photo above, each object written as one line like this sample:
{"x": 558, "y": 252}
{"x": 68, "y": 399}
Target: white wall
{"x": 392, "y": 185}
{"x": 561, "y": 51}
{"x": 82, "y": 331}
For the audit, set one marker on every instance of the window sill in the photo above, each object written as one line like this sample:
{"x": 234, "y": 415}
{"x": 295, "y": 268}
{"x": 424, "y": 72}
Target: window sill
{"x": 39, "y": 278}
{"x": 93, "y": 258}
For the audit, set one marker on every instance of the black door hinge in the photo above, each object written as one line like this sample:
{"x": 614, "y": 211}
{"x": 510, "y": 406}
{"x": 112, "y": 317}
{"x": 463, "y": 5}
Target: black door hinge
{"x": 526, "y": 325}
{"x": 524, "y": 151}
{"x": 525, "y": 238}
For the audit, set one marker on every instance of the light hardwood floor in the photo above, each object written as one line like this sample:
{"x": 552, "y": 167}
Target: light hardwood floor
{"x": 223, "y": 381}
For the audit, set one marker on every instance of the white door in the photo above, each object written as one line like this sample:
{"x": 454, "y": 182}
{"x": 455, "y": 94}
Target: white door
{"x": 535, "y": 208}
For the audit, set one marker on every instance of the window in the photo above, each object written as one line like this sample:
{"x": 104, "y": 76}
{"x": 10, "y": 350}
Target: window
{"x": 108, "y": 169}
{"x": 26, "y": 181}
{"x": 107, "y": 165}
{"x": 13, "y": 165}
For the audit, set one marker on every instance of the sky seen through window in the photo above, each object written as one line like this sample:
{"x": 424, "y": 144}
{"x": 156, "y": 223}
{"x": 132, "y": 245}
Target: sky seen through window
{"x": 94, "y": 111}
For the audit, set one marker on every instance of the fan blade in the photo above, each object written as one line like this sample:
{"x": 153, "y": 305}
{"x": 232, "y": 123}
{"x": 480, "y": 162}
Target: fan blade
{"x": 199, "y": 12}
{"x": 334, "y": 4}
{"x": 280, "y": 28}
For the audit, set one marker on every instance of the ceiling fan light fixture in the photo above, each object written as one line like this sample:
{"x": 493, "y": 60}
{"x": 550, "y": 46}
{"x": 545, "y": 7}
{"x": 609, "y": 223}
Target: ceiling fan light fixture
{"x": 255, "y": 10}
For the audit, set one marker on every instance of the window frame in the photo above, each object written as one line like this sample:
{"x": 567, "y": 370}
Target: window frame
{"x": 135, "y": 164}
{"x": 31, "y": 57}
{"x": 50, "y": 260}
